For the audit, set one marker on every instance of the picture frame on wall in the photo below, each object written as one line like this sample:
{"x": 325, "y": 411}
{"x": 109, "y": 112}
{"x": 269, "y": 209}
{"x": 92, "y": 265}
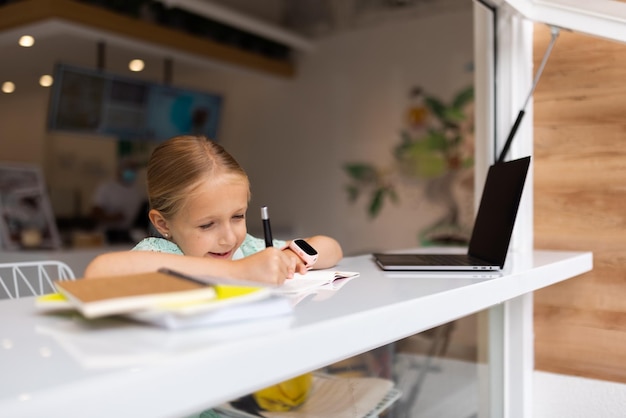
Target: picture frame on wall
{"x": 26, "y": 217}
{"x": 84, "y": 100}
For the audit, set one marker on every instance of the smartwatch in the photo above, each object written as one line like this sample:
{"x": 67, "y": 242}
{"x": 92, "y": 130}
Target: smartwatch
{"x": 303, "y": 249}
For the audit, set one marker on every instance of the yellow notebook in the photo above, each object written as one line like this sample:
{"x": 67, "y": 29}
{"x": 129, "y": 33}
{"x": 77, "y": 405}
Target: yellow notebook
{"x": 115, "y": 295}
{"x": 168, "y": 299}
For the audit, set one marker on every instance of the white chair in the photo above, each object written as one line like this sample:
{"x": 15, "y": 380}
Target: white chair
{"x": 31, "y": 278}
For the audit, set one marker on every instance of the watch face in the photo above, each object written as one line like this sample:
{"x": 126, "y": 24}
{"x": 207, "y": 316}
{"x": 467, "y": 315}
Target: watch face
{"x": 305, "y": 246}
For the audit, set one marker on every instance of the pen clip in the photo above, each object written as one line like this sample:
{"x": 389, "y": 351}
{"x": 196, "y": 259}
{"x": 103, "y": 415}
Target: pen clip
{"x": 267, "y": 229}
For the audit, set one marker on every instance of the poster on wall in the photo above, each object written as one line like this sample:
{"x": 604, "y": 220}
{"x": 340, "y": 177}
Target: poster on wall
{"x": 26, "y": 217}
{"x": 95, "y": 102}
{"x": 174, "y": 111}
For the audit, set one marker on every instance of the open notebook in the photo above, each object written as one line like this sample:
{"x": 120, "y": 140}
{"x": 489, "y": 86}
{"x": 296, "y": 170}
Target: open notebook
{"x": 492, "y": 230}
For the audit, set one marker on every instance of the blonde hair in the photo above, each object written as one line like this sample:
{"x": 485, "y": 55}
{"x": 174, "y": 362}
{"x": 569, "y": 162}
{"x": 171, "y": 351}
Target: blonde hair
{"x": 177, "y": 165}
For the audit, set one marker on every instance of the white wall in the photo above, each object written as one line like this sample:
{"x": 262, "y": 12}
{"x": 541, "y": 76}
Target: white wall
{"x": 557, "y": 395}
{"x": 346, "y": 104}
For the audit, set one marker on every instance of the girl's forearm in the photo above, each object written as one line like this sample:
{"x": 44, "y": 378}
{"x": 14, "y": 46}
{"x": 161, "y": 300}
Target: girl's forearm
{"x": 329, "y": 250}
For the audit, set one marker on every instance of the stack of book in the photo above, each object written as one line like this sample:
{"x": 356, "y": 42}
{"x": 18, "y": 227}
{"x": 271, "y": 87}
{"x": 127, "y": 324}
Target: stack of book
{"x": 167, "y": 299}
{"x": 173, "y": 300}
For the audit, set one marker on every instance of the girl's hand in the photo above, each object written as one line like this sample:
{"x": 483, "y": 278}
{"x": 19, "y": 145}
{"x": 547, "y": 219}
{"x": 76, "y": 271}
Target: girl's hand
{"x": 300, "y": 266}
{"x": 271, "y": 266}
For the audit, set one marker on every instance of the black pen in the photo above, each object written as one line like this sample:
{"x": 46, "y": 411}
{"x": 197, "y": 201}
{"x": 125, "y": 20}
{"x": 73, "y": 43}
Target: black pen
{"x": 267, "y": 229}
{"x": 180, "y": 275}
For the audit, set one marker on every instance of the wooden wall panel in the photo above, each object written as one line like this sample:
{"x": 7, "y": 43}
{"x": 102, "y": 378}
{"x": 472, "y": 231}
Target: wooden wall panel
{"x": 580, "y": 203}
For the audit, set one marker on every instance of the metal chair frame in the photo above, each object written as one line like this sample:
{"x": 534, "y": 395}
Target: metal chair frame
{"x": 46, "y": 272}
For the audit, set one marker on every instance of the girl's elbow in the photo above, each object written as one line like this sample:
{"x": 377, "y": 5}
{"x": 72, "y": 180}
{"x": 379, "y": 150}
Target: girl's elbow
{"x": 338, "y": 250}
{"x": 97, "y": 266}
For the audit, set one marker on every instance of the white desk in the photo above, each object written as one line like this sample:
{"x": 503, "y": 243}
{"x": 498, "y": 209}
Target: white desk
{"x": 169, "y": 374}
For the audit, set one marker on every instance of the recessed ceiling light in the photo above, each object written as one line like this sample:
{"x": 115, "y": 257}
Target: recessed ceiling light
{"x": 8, "y": 87}
{"x": 46, "y": 80}
{"x": 136, "y": 65}
{"x": 26, "y": 41}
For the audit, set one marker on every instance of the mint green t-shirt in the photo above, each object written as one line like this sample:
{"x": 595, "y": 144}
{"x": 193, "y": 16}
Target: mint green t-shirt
{"x": 249, "y": 246}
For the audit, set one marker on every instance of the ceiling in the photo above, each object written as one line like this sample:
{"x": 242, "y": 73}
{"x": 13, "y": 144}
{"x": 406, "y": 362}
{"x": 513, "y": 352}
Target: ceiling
{"x": 318, "y": 18}
{"x": 299, "y": 23}
{"x": 306, "y": 21}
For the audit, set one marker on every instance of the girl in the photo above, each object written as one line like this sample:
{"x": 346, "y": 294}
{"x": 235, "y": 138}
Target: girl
{"x": 198, "y": 197}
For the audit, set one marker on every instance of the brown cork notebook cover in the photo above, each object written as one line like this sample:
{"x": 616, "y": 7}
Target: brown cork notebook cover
{"x": 121, "y": 294}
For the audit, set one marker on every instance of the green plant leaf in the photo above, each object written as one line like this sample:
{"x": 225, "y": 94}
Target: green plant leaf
{"x": 463, "y": 97}
{"x": 361, "y": 172}
{"x": 435, "y": 105}
{"x": 454, "y": 114}
{"x": 430, "y": 165}
{"x": 377, "y": 202}
{"x": 406, "y": 142}
{"x": 436, "y": 141}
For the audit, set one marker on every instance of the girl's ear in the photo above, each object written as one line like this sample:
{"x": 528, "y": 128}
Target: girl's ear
{"x": 159, "y": 222}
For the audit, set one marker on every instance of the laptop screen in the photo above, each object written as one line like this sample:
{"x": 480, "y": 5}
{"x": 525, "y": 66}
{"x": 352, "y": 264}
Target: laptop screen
{"x": 498, "y": 207}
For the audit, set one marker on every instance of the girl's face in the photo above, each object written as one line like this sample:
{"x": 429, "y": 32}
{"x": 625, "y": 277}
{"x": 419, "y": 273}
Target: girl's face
{"x": 213, "y": 223}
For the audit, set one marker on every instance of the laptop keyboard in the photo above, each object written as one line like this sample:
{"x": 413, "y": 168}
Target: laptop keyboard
{"x": 444, "y": 260}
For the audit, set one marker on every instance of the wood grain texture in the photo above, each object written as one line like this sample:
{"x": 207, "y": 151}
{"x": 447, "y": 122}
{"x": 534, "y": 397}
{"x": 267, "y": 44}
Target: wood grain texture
{"x": 580, "y": 203}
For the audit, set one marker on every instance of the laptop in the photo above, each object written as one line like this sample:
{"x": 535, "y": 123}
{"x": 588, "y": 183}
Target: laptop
{"x": 491, "y": 235}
